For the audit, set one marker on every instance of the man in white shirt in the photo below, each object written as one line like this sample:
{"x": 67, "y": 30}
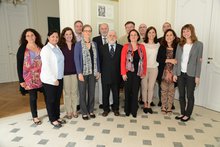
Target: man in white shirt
{"x": 78, "y": 29}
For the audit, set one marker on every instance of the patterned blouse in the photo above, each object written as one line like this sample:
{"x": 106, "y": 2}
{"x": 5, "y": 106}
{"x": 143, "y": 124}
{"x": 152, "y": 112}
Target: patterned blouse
{"x": 31, "y": 69}
{"x": 168, "y": 69}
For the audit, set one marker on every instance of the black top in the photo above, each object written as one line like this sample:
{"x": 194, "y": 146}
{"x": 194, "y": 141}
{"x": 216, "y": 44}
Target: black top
{"x": 92, "y": 57}
{"x": 136, "y": 59}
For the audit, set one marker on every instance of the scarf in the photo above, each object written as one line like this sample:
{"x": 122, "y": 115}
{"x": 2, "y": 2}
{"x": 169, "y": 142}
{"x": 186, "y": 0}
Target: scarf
{"x": 129, "y": 61}
{"x": 87, "y": 62}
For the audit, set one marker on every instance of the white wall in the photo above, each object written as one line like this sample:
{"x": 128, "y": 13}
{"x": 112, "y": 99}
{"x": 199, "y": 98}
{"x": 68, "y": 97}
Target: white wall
{"x": 95, "y": 21}
{"x": 151, "y": 12}
{"x": 41, "y": 9}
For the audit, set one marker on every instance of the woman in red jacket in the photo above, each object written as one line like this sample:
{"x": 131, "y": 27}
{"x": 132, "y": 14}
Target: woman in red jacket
{"x": 133, "y": 69}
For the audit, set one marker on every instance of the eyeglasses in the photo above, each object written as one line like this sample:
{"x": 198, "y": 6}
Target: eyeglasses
{"x": 87, "y": 31}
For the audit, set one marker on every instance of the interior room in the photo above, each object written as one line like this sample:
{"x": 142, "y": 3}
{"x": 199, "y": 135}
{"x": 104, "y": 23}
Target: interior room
{"x": 157, "y": 129}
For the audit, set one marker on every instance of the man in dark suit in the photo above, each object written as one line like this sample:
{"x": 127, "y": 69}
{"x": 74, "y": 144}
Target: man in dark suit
{"x": 110, "y": 56}
{"x": 100, "y": 41}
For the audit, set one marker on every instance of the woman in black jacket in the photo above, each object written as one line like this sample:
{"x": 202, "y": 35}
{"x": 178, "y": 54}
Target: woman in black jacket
{"x": 29, "y": 67}
{"x": 166, "y": 60}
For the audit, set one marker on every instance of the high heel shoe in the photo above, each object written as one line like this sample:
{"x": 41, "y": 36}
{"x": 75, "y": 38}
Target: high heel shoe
{"x": 37, "y": 122}
{"x": 179, "y": 117}
{"x": 56, "y": 125}
{"x": 184, "y": 119}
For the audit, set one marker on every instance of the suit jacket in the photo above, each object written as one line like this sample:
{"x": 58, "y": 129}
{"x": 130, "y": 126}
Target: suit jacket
{"x": 110, "y": 66}
{"x": 98, "y": 41}
{"x": 195, "y": 60}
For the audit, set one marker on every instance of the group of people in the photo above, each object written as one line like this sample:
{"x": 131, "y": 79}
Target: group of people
{"x": 72, "y": 62}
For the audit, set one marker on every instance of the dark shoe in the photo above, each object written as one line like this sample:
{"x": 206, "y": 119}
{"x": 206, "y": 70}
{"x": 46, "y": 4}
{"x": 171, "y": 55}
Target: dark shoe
{"x": 56, "y": 125}
{"x": 173, "y": 107}
{"x": 116, "y": 113}
{"x": 152, "y": 104}
{"x": 100, "y": 106}
{"x": 185, "y": 120}
{"x": 141, "y": 102}
{"x": 85, "y": 117}
{"x": 92, "y": 115}
{"x": 62, "y": 121}
{"x": 179, "y": 117}
{"x": 127, "y": 114}
{"x": 68, "y": 116}
{"x": 38, "y": 122}
{"x": 145, "y": 110}
{"x": 105, "y": 113}
{"x": 159, "y": 104}
{"x": 150, "y": 110}
{"x": 134, "y": 115}
{"x": 78, "y": 107}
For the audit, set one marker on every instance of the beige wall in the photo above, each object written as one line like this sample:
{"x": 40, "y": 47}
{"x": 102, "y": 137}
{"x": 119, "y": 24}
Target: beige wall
{"x": 151, "y": 12}
{"x": 42, "y": 9}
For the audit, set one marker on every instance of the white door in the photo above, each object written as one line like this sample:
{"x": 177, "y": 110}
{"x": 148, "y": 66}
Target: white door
{"x": 212, "y": 90}
{"x": 15, "y": 20}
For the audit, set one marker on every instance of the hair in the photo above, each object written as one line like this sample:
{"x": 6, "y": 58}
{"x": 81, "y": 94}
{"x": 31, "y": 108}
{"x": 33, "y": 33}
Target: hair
{"x": 78, "y": 21}
{"x": 129, "y": 22}
{"x": 129, "y": 34}
{"x": 193, "y": 34}
{"x": 50, "y": 33}
{"x": 146, "y": 40}
{"x": 23, "y": 40}
{"x": 85, "y": 26}
{"x": 175, "y": 41}
{"x": 62, "y": 41}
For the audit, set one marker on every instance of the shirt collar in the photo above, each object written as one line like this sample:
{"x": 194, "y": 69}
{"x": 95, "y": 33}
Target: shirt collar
{"x": 52, "y": 46}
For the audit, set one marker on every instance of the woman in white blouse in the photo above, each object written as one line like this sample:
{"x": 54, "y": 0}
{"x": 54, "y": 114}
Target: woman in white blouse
{"x": 52, "y": 77}
{"x": 147, "y": 83}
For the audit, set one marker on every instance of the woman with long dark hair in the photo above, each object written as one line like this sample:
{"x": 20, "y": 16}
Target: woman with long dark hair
{"x": 29, "y": 68}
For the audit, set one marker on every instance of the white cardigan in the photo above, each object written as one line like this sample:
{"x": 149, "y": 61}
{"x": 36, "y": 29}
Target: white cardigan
{"x": 49, "y": 69}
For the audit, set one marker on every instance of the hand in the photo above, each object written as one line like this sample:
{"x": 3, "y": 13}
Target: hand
{"x": 98, "y": 75}
{"x": 197, "y": 81}
{"x": 23, "y": 84}
{"x": 174, "y": 78}
{"x": 81, "y": 78}
{"x": 173, "y": 61}
{"x": 142, "y": 77}
{"x": 124, "y": 77}
{"x": 56, "y": 83}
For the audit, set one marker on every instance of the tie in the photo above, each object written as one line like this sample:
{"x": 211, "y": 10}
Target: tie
{"x": 105, "y": 41}
{"x": 112, "y": 52}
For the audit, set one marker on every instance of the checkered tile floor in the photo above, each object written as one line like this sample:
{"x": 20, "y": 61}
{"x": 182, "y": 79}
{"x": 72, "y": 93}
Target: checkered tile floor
{"x": 155, "y": 130}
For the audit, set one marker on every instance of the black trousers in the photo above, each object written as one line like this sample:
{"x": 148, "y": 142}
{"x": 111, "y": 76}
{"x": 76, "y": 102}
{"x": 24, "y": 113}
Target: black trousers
{"x": 186, "y": 86}
{"x": 131, "y": 93}
{"x": 33, "y": 100}
{"x": 53, "y": 95}
{"x": 105, "y": 96}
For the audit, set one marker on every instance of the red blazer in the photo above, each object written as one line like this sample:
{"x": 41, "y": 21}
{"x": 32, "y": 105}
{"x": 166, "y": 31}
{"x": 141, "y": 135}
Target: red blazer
{"x": 123, "y": 59}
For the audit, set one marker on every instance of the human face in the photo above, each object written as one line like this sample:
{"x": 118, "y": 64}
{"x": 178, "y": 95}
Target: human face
{"x": 30, "y": 37}
{"x": 112, "y": 37}
{"x": 68, "y": 36}
{"x": 133, "y": 36}
{"x": 53, "y": 38}
{"x": 142, "y": 29}
{"x": 87, "y": 32}
{"x": 169, "y": 37}
{"x": 104, "y": 29}
{"x": 187, "y": 33}
{"x": 166, "y": 26}
{"x": 129, "y": 27}
{"x": 78, "y": 28}
{"x": 151, "y": 34}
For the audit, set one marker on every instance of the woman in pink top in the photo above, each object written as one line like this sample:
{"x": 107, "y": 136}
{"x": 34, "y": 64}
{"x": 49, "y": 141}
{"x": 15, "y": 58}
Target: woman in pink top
{"x": 29, "y": 68}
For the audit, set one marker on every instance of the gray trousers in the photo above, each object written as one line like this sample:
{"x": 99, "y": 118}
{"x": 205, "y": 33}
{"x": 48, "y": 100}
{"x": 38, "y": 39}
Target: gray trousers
{"x": 87, "y": 94}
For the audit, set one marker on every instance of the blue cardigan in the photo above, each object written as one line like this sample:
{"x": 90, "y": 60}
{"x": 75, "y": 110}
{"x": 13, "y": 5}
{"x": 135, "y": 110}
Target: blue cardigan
{"x": 79, "y": 59}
